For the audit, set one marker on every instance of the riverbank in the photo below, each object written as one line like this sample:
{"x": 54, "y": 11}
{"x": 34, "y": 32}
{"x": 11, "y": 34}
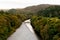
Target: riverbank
{"x": 24, "y": 32}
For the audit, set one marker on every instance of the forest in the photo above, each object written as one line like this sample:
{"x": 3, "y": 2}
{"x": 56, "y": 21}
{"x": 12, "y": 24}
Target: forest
{"x": 44, "y": 20}
{"x": 9, "y": 22}
{"x": 47, "y": 23}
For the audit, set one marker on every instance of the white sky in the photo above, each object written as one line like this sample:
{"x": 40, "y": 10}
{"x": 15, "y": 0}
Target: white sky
{"x": 7, "y": 4}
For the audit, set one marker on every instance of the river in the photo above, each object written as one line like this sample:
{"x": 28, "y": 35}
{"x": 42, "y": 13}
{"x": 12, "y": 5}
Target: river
{"x": 24, "y": 32}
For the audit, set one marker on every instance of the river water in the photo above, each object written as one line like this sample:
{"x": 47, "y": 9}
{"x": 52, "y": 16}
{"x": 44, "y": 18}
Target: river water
{"x": 24, "y": 32}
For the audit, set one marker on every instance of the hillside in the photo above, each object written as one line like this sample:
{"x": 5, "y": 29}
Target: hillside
{"x": 31, "y": 9}
{"x": 36, "y": 8}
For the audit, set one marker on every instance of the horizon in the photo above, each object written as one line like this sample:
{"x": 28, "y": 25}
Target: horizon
{"x": 14, "y": 4}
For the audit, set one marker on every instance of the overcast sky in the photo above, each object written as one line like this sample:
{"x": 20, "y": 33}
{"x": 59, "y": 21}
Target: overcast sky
{"x": 7, "y": 4}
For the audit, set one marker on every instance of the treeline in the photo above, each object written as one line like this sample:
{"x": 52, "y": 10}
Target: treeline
{"x": 47, "y": 28}
{"x": 47, "y": 23}
{"x": 9, "y": 23}
{"x": 52, "y": 11}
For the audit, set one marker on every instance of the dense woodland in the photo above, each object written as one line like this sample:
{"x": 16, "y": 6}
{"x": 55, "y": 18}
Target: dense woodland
{"x": 45, "y": 20}
{"x": 47, "y": 23}
{"x": 9, "y": 22}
